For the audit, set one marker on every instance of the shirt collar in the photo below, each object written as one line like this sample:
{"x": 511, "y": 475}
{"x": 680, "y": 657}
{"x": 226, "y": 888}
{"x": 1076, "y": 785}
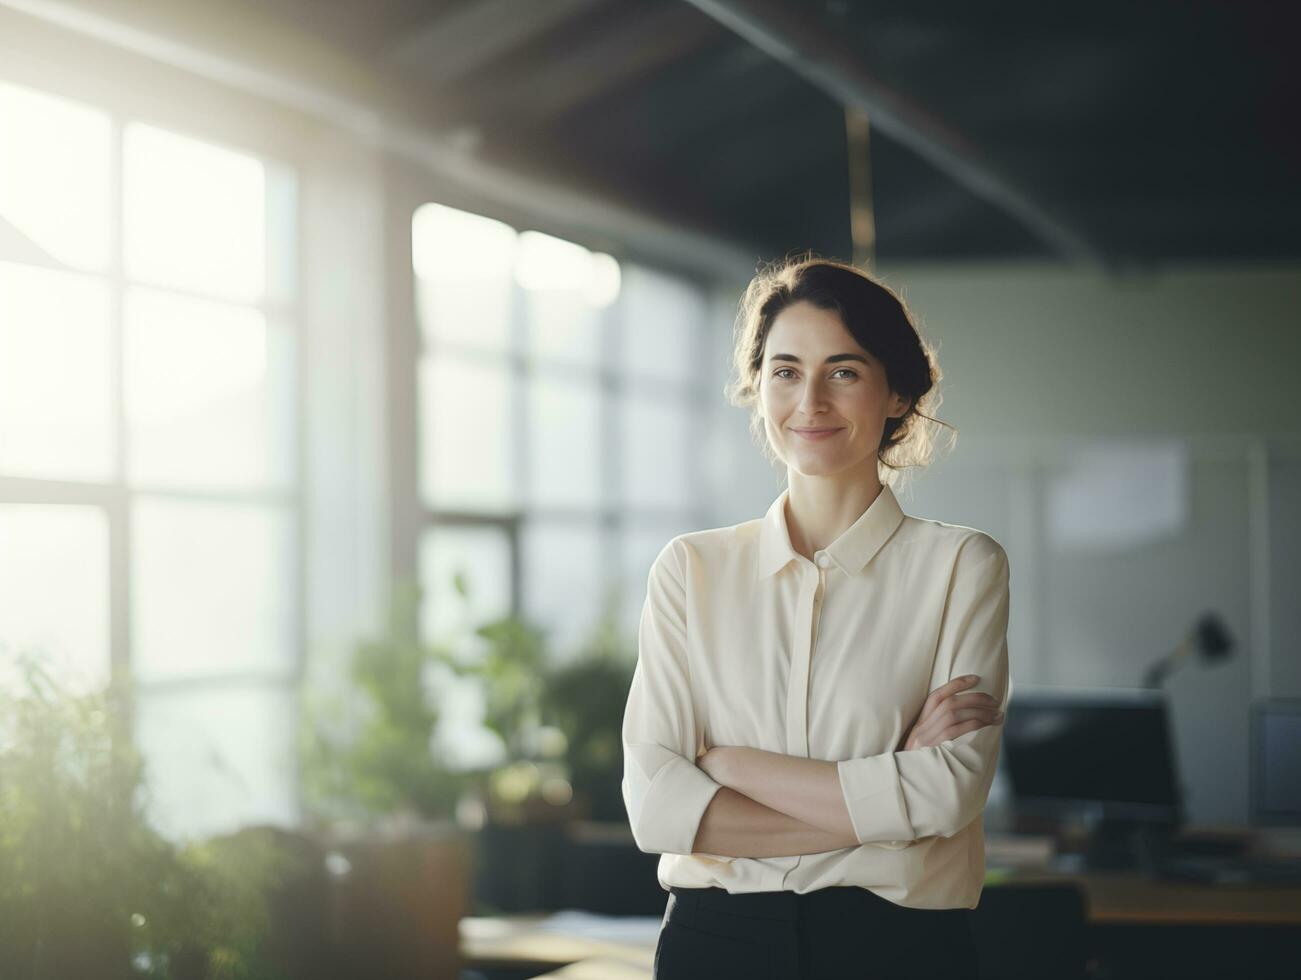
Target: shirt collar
{"x": 851, "y": 551}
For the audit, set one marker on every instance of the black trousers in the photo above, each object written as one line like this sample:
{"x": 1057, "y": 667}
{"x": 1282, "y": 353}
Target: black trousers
{"x": 827, "y": 934}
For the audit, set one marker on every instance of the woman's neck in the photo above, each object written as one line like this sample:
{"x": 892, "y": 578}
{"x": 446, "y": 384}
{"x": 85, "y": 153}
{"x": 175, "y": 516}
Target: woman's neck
{"x": 819, "y": 509}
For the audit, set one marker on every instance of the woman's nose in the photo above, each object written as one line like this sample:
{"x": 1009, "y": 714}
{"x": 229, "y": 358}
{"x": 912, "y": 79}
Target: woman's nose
{"x": 812, "y": 396}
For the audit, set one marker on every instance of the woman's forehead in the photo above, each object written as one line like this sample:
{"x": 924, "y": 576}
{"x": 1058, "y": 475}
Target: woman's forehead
{"x": 809, "y": 332}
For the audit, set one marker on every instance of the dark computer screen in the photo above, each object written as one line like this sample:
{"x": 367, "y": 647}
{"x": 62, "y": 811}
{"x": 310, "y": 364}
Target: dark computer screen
{"x": 1276, "y": 762}
{"x": 1106, "y": 751}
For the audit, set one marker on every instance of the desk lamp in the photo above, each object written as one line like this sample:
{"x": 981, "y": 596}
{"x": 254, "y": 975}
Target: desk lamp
{"x": 1208, "y": 640}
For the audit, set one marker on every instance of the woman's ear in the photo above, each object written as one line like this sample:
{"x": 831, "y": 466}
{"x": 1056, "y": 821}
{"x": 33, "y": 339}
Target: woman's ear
{"x": 899, "y": 405}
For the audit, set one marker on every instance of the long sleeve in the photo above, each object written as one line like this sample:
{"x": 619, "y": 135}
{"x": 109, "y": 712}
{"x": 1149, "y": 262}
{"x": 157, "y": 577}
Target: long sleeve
{"x": 940, "y": 789}
{"x": 664, "y": 791}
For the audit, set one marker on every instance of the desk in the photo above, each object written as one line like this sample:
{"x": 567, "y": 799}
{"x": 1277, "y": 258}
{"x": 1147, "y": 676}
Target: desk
{"x": 1118, "y": 899}
{"x": 519, "y": 941}
{"x": 1126, "y": 898}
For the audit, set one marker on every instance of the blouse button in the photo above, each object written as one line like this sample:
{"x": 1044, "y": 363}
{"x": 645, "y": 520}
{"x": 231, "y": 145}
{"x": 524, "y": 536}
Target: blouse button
{"x": 824, "y": 560}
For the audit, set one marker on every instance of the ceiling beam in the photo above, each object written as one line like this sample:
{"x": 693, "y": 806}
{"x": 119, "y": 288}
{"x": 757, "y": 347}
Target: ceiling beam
{"x": 597, "y": 58}
{"x": 471, "y": 36}
{"x": 789, "y": 34}
{"x": 332, "y": 89}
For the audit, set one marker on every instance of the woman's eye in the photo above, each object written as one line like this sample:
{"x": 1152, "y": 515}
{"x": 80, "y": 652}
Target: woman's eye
{"x": 779, "y": 372}
{"x": 849, "y": 371}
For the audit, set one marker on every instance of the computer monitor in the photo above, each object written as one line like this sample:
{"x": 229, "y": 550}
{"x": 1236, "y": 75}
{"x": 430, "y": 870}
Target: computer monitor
{"x": 1276, "y": 762}
{"x": 1104, "y": 754}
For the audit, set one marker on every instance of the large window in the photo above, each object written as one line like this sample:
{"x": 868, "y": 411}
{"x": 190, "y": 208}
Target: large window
{"x": 148, "y": 482}
{"x": 557, "y": 393}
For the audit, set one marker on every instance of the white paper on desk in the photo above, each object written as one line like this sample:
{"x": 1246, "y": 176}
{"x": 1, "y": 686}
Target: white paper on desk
{"x": 641, "y": 930}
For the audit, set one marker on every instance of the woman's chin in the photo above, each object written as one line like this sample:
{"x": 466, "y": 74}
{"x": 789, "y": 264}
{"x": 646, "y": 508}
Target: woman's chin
{"x": 812, "y": 463}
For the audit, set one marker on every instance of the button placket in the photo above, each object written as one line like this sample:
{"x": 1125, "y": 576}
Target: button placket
{"x": 797, "y": 694}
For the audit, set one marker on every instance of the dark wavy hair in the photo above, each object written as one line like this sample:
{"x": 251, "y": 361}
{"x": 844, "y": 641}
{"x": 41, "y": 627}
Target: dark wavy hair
{"x": 876, "y": 318}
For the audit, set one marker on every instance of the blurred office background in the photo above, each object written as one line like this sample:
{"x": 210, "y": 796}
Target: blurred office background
{"x": 303, "y": 302}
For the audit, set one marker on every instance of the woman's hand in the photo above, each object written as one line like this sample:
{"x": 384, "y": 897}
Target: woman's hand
{"x": 713, "y": 763}
{"x": 944, "y": 716}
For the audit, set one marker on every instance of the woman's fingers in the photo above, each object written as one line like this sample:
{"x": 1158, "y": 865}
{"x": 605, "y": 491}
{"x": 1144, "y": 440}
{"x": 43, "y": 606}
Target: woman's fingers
{"x": 956, "y": 730}
{"x": 976, "y": 697}
{"x": 940, "y": 726}
{"x": 920, "y": 740}
{"x": 963, "y": 714}
{"x": 949, "y": 712}
{"x": 944, "y": 690}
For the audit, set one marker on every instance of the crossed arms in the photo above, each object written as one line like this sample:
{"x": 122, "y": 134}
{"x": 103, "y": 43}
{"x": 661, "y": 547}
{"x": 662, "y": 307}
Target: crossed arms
{"x": 745, "y": 818}
{"x": 744, "y": 802}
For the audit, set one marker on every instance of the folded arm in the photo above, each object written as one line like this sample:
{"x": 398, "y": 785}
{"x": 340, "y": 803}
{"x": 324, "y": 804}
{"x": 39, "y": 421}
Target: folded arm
{"x": 897, "y": 797}
{"x": 734, "y": 825}
{"x": 806, "y": 790}
{"x": 674, "y": 806}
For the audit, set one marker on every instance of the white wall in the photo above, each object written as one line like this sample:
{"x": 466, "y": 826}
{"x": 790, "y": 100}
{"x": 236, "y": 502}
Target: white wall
{"x": 1044, "y": 366}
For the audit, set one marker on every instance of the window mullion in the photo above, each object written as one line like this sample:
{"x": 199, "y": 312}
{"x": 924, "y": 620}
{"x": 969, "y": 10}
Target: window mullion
{"x": 119, "y": 517}
{"x": 521, "y": 367}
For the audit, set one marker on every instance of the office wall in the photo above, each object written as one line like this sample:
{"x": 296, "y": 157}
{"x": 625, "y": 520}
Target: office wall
{"x": 1183, "y": 378}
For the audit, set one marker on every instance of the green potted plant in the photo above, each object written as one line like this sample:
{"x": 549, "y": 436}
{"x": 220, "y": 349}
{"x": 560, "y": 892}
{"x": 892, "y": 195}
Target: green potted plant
{"x": 87, "y": 887}
{"x": 585, "y": 699}
{"x": 381, "y": 799}
{"x": 366, "y": 753}
{"x": 557, "y": 728}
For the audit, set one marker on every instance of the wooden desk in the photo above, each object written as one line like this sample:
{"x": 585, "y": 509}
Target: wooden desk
{"x": 1113, "y": 899}
{"x": 516, "y": 941}
{"x": 1126, "y": 898}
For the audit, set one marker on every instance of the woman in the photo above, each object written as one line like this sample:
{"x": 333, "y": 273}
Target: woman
{"x": 813, "y": 724}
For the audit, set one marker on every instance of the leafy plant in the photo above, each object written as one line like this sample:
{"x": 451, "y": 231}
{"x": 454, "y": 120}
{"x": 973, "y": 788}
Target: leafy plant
{"x": 585, "y": 700}
{"x": 87, "y": 887}
{"x": 384, "y": 764}
{"x": 558, "y": 724}
{"x": 566, "y": 716}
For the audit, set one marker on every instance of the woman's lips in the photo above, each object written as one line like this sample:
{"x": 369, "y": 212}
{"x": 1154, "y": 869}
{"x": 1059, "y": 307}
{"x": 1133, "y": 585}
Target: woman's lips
{"x": 816, "y": 434}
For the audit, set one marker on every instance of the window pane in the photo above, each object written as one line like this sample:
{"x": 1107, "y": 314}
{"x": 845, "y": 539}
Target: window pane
{"x": 213, "y": 589}
{"x": 217, "y": 759}
{"x": 194, "y": 214}
{"x": 662, "y": 320}
{"x": 55, "y": 395}
{"x": 564, "y": 442}
{"x": 209, "y": 394}
{"x": 466, "y": 456}
{"x": 464, "y": 286}
{"x": 482, "y": 555}
{"x": 54, "y": 588}
{"x": 54, "y": 178}
{"x": 564, "y": 326}
{"x": 655, "y": 444}
{"x": 468, "y": 314}
{"x": 564, "y": 582}
{"x": 560, "y": 279}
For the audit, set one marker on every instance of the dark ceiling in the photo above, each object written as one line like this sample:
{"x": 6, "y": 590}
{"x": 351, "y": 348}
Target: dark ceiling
{"x": 1153, "y": 131}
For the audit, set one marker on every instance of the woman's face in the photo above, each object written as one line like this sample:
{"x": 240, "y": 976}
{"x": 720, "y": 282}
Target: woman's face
{"x": 815, "y": 376}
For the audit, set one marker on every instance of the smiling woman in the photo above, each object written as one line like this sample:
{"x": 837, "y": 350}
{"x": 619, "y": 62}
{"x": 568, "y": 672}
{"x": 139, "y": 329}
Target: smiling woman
{"x": 813, "y": 724}
{"x": 812, "y": 305}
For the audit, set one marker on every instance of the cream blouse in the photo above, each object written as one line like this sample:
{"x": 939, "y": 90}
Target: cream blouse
{"x": 743, "y": 641}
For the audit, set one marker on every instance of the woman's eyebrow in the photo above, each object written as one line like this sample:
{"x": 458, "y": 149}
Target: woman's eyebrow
{"x": 830, "y": 360}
